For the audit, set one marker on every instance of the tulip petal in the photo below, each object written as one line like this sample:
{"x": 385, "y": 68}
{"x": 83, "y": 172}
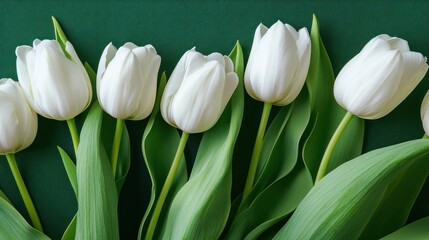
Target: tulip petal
{"x": 107, "y": 56}
{"x": 276, "y": 59}
{"x": 415, "y": 68}
{"x": 231, "y": 83}
{"x": 356, "y": 90}
{"x": 424, "y": 113}
{"x": 259, "y": 33}
{"x": 197, "y": 104}
{"x": 400, "y": 44}
{"x": 229, "y": 66}
{"x": 130, "y": 45}
{"x": 217, "y": 57}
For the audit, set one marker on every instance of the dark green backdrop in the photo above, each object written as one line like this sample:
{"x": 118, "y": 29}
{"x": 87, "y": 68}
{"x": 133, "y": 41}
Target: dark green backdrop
{"x": 173, "y": 28}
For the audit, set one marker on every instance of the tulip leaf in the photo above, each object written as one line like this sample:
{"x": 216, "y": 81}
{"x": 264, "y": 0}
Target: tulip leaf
{"x": 417, "y": 230}
{"x": 159, "y": 146}
{"x": 60, "y": 36}
{"x": 342, "y": 204}
{"x": 200, "y": 209}
{"x": 326, "y": 113}
{"x": 2, "y": 195}
{"x": 70, "y": 232}
{"x": 14, "y": 226}
{"x": 400, "y": 196}
{"x": 280, "y": 184}
{"x": 97, "y": 194}
{"x": 70, "y": 168}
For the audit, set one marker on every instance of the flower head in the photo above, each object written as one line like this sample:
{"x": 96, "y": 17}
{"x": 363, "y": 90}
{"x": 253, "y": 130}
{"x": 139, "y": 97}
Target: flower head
{"x": 198, "y": 91}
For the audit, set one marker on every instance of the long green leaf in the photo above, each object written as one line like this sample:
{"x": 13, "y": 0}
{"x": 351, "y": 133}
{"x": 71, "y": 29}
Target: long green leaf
{"x": 341, "y": 205}
{"x": 396, "y": 205}
{"x": 97, "y": 194}
{"x": 70, "y": 168}
{"x": 159, "y": 145}
{"x": 2, "y": 195}
{"x": 280, "y": 154}
{"x": 326, "y": 113}
{"x": 418, "y": 230}
{"x": 200, "y": 209}
{"x": 70, "y": 232}
{"x": 14, "y": 226}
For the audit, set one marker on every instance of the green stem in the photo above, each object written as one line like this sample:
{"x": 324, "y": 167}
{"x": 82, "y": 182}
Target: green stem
{"x": 24, "y": 192}
{"x": 331, "y": 145}
{"x": 257, "y": 150}
{"x": 166, "y": 187}
{"x": 425, "y": 136}
{"x": 116, "y": 144}
{"x": 74, "y": 134}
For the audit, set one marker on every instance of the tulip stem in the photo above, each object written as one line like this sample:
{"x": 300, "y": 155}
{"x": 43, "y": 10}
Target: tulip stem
{"x": 116, "y": 144}
{"x": 74, "y": 134}
{"x": 166, "y": 187}
{"x": 331, "y": 146}
{"x": 257, "y": 150}
{"x": 24, "y": 192}
{"x": 425, "y": 136}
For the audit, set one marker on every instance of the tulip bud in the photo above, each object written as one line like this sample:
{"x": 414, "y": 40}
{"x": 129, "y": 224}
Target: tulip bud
{"x": 18, "y": 122}
{"x": 379, "y": 78}
{"x": 126, "y": 80}
{"x": 56, "y": 87}
{"x": 278, "y": 63}
{"x": 198, "y": 91}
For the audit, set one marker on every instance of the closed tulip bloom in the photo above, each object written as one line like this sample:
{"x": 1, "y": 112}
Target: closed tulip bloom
{"x": 198, "y": 91}
{"x": 55, "y": 86}
{"x": 126, "y": 80}
{"x": 18, "y": 122}
{"x": 278, "y": 63}
{"x": 379, "y": 78}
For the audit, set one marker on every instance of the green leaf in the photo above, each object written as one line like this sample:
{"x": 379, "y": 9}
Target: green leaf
{"x": 60, "y": 36}
{"x": 158, "y": 161}
{"x": 97, "y": 194}
{"x": 14, "y": 226}
{"x": 2, "y": 195}
{"x": 341, "y": 205}
{"x": 326, "y": 113}
{"x": 124, "y": 159}
{"x": 400, "y": 196}
{"x": 200, "y": 209}
{"x": 70, "y": 232}
{"x": 280, "y": 183}
{"x": 70, "y": 168}
{"x": 418, "y": 230}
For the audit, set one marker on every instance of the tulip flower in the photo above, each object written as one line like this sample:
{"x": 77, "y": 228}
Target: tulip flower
{"x": 126, "y": 85}
{"x": 18, "y": 128}
{"x": 18, "y": 122}
{"x": 54, "y": 81}
{"x": 193, "y": 100}
{"x": 56, "y": 87}
{"x": 275, "y": 74}
{"x": 424, "y": 114}
{"x": 374, "y": 82}
{"x": 126, "y": 80}
{"x": 379, "y": 78}
{"x": 198, "y": 90}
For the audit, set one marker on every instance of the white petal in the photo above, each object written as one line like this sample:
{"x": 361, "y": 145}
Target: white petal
{"x": 424, "y": 113}
{"x": 107, "y": 56}
{"x": 130, "y": 45}
{"x": 229, "y": 66}
{"x": 231, "y": 83}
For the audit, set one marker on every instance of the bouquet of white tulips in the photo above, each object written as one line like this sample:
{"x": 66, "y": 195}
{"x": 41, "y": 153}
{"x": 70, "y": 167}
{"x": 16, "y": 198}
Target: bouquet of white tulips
{"x": 307, "y": 177}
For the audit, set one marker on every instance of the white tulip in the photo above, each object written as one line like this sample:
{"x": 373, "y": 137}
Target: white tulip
{"x": 379, "y": 78}
{"x": 126, "y": 80}
{"x": 56, "y": 87}
{"x": 278, "y": 63}
{"x": 18, "y": 122}
{"x": 198, "y": 91}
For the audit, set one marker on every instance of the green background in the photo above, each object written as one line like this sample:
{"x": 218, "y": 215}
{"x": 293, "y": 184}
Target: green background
{"x": 172, "y": 28}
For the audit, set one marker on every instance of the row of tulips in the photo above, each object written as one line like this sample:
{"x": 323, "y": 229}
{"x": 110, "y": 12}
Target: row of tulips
{"x": 54, "y": 83}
